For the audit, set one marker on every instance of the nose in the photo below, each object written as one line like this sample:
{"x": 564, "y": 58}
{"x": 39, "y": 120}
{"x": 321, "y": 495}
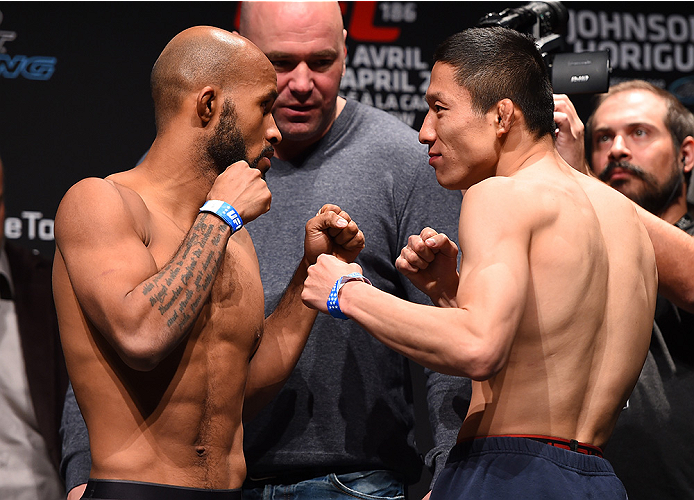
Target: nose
{"x": 618, "y": 150}
{"x": 427, "y": 133}
{"x": 301, "y": 80}
{"x": 272, "y": 133}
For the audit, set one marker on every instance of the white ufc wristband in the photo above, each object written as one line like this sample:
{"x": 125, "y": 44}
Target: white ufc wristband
{"x": 225, "y": 212}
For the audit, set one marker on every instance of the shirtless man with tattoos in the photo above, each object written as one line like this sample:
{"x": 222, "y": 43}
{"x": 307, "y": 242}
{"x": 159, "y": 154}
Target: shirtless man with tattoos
{"x": 157, "y": 287}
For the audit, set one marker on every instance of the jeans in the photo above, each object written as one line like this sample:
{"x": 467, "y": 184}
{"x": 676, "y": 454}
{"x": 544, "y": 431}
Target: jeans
{"x": 369, "y": 485}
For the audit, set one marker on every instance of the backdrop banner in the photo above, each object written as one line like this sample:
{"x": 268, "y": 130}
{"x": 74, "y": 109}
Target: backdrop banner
{"x": 74, "y": 77}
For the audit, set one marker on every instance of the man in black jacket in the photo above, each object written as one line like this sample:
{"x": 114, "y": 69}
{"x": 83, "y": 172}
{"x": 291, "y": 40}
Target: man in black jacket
{"x": 33, "y": 378}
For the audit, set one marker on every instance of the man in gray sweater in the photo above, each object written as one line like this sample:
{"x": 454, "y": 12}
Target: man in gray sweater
{"x": 344, "y": 421}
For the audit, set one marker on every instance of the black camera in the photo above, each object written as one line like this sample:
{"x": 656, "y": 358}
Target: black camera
{"x": 570, "y": 73}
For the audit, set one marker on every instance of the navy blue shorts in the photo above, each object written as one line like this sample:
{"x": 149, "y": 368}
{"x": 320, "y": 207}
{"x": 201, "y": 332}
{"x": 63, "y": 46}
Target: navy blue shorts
{"x": 496, "y": 468}
{"x": 104, "y": 489}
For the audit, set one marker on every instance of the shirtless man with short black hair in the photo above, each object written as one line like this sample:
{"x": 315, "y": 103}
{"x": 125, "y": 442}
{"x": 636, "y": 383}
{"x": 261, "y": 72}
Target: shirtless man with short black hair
{"x": 157, "y": 286}
{"x": 551, "y": 311}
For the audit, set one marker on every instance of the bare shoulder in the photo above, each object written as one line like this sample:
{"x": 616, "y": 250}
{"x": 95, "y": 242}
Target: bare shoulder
{"x": 488, "y": 199}
{"x": 607, "y": 200}
{"x": 624, "y": 233}
{"x": 499, "y": 190}
{"x": 592, "y": 185}
{"x": 502, "y": 199}
{"x": 97, "y": 203}
{"x": 497, "y": 212}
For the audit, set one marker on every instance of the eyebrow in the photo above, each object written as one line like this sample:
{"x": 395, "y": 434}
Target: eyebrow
{"x": 433, "y": 96}
{"x": 276, "y": 54}
{"x": 628, "y": 125}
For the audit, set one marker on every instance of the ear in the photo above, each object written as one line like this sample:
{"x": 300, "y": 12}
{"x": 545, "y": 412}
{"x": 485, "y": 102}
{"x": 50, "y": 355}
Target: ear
{"x": 505, "y": 110}
{"x": 206, "y": 104}
{"x": 344, "y": 46}
{"x": 686, "y": 156}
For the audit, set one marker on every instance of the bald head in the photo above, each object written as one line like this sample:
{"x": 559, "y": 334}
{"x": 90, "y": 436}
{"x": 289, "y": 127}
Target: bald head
{"x": 306, "y": 43}
{"x": 196, "y": 57}
{"x": 257, "y": 18}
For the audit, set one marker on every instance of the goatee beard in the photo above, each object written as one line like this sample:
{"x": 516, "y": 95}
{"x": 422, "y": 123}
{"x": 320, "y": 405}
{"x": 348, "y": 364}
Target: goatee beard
{"x": 654, "y": 197}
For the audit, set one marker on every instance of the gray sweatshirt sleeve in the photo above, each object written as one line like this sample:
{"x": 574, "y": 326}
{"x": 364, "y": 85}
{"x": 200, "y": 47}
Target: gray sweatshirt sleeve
{"x": 448, "y": 399}
{"x": 76, "y": 461}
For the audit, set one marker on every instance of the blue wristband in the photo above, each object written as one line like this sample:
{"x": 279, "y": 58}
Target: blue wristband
{"x": 225, "y": 212}
{"x": 333, "y": 302}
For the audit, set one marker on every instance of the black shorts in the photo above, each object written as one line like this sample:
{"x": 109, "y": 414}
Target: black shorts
{"x": 497, "y": 468}
{"x": 106, "y": 489}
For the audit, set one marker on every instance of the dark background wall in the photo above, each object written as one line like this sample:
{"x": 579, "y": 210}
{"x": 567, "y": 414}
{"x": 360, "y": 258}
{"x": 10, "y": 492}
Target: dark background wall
{"x": 74, "y": 78}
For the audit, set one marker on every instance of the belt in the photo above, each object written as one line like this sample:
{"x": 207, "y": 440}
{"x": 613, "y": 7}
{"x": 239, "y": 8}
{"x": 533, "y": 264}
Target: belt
{"x": 567, "y": 444}
{"x": 109, "y": 489}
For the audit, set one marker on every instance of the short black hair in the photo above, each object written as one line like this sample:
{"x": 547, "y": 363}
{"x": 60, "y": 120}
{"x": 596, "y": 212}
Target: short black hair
{"x": 496, "y": 63}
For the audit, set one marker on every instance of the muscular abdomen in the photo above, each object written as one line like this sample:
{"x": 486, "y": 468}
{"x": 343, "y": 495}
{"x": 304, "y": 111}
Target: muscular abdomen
{"x": 179, "y": 423}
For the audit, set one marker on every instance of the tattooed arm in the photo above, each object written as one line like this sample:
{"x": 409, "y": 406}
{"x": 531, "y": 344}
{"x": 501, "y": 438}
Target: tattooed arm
{"x": 120, "y": 266}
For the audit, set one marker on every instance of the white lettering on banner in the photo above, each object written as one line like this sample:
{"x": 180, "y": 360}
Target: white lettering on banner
{"x": 13, "y": 228}
{"x": 36, "y": 226}
{"x": 390, "y": 102}
{"x": 388, "y": 56}
{"x": 637, "y": 42}
{"x": 663, "y": 57}
{"x": 380, "y": 79}
{"x": 398, "y": 11}
{"x": 388, "y": 77}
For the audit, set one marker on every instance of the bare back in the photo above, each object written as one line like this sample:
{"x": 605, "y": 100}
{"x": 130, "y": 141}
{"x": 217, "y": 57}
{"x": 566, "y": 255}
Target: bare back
{"x": 585, "y": 325}
{"x": 179, "y": 423}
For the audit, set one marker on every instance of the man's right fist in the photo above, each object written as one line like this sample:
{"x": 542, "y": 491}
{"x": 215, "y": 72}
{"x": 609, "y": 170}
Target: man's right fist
{"x": 243, "y": 188}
